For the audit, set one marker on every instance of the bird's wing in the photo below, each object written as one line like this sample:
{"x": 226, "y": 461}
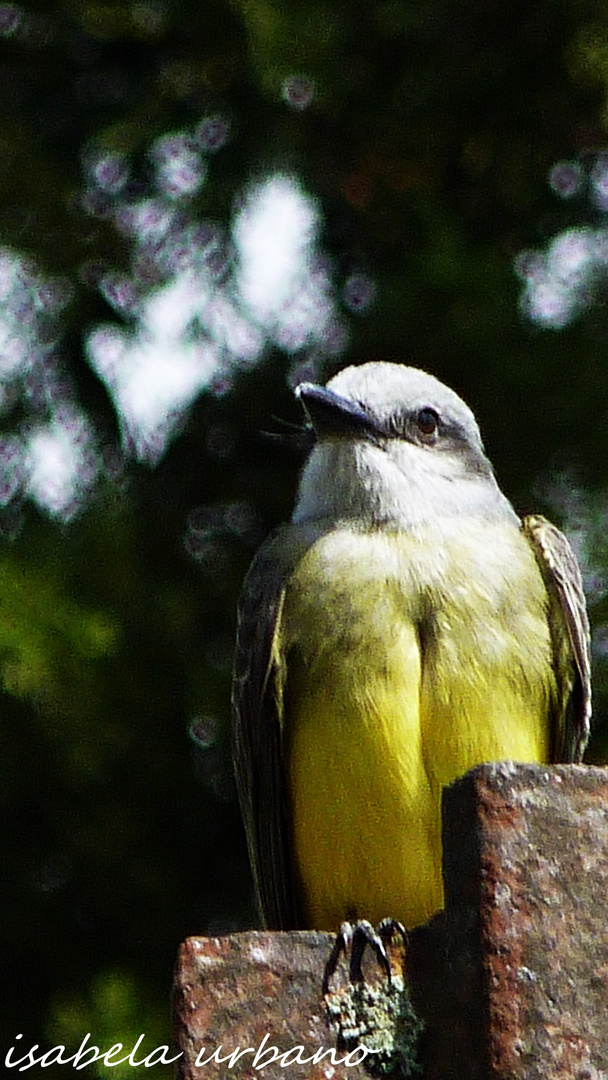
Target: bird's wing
{"x": 570, "y": 636}
{"x": 258, "y": 734}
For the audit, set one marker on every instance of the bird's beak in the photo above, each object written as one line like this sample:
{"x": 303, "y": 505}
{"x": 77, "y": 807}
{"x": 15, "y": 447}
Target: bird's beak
{"x": 331, "y": 414}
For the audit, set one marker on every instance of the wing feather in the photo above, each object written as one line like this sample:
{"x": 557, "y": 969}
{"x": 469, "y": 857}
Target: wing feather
{"x": 258, "y": 729}
{"x": 570, "y": 634}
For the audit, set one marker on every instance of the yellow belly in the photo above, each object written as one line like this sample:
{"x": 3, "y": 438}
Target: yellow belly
{"x": 404, "y": 670}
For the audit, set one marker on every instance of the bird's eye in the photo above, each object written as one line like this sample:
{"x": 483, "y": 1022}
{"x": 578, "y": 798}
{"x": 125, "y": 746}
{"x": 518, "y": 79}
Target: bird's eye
{"x": 428, "y": 422}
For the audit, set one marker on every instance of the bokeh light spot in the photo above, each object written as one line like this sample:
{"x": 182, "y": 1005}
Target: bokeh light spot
{"x": 298, "y": 91}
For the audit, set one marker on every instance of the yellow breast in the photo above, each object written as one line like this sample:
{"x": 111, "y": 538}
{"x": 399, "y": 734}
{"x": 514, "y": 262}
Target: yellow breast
{"x": 408, "y": 662}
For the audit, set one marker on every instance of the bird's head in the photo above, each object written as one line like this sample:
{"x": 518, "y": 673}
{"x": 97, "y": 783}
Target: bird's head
{"x": 394, "y": 445}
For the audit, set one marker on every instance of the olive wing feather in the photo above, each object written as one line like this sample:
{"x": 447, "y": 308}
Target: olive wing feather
{"x": 570, "y": 636}
{"x": 258, "y": 727}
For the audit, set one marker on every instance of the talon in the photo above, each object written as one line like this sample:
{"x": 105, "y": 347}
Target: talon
{"x": 389, "y": 927}
{"x": 364, "y": 934}
{"x": 343, "y": 939}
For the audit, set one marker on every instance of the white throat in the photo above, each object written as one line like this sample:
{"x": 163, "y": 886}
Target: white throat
{"x": 346, "y": 480}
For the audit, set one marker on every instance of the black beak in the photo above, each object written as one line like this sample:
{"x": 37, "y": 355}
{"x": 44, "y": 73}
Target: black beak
{"x": 331, "y": 414}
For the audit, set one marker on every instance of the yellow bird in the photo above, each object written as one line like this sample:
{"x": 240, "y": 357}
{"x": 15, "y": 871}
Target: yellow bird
{"x": 404, "y": 627}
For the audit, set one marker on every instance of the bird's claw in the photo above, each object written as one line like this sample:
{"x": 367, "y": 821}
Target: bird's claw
{"x": 359, "y": 937}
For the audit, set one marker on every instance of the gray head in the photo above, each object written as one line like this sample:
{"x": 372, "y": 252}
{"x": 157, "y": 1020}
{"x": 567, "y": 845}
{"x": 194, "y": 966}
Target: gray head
{"x": 394, "y": 446}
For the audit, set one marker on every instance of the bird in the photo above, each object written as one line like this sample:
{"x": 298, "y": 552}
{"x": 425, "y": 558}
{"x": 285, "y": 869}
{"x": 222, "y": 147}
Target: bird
{"x": 405, "y": 626}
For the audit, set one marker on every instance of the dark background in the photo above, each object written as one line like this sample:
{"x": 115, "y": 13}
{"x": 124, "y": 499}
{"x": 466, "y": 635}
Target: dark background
{"x": 455, "y": 154}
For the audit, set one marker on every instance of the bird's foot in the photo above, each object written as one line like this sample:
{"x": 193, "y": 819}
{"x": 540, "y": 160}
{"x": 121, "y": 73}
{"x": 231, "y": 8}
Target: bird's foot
{"x": 359, "y": 937}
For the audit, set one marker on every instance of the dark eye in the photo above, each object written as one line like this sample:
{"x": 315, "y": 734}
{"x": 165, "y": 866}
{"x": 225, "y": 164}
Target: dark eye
{"x": 428, "y": 422}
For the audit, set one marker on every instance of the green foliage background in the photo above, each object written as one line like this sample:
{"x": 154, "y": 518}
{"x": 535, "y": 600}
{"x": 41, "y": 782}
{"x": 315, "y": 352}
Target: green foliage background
{"x": 427, "y": 143}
